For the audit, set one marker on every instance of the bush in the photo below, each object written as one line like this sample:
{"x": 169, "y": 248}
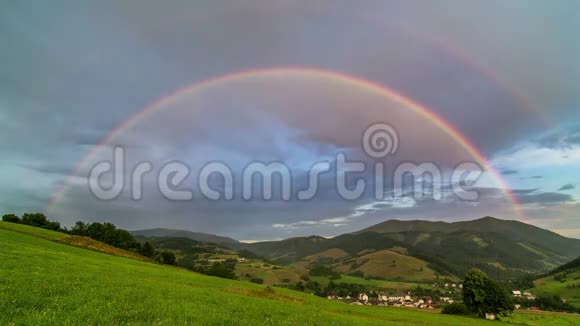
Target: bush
{"x": 11, "y": 218}
{"x": 37, "y": 220}
{"x": 456, "y": 309}
{"x": 257, "y": 280}
{"x": 221, "y": 270}
{"x": 168, "y": 257}
{"x": 147, "y": 249}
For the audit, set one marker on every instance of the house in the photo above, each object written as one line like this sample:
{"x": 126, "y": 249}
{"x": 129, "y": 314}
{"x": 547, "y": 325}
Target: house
{"x": 218, "y": 260}
{"x": 461, "y": 286}
{"x": 446, "y": 285}
{"x": 529, "y": 296}
{"x": 363, "y": 297}
{"x": 453, "y": 285}
{"x": 242, "y": 260}
{"x": 489, "y": 316}
{"x": 396, "y": 297}
{"x": 517, "y": 294}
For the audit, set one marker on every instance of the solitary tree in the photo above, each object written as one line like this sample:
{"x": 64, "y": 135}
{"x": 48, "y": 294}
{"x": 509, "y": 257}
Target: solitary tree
{"x": 497, "y": 299}
{"x": 482, "y": 295}
{"x": 474, "y": 290}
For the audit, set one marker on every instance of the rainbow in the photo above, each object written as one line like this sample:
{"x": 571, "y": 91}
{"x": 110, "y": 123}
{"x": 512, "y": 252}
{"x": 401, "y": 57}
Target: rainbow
{"x": 441, "y": 44}
{"x": 335, "y": 77}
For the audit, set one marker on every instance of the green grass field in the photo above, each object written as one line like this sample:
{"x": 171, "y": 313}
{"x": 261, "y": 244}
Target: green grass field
{"x": 549, "y": 286}
{"x": 44, "y": 282}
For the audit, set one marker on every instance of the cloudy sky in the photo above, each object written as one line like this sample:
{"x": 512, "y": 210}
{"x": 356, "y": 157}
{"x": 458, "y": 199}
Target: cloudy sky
{"x": 293, "y": 82}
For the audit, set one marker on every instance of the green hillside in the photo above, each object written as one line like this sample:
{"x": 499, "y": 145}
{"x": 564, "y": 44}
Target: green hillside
{"x": 45, "y": 282}
{"x": 503, "y": 249}
{"x": 564, "y": 282}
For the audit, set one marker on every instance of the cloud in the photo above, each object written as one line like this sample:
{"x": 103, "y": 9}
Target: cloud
{"x": 544, "y": 198}
{"x": 567, "y": 187}
{"x": 509, "y": 172}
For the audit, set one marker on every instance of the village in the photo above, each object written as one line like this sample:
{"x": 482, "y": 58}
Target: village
{"x": 407, "y": 300}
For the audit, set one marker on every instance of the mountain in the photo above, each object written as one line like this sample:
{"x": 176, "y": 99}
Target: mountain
{"x": 502, "y": 248}
{"x": 201, "y": 237}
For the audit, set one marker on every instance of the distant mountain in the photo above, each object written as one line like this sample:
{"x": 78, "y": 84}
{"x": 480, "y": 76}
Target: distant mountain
{"x": 502, "y": 248}
{"x": 201, "y": 237}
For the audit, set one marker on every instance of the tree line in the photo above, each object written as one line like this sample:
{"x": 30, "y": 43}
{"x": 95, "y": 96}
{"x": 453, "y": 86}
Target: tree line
{"x": 106, "y": 233}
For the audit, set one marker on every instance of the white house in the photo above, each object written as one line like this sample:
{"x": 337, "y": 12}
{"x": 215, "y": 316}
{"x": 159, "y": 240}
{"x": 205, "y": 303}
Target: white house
{"x": 517, "y": 293}
{"x": 363, "y": 297}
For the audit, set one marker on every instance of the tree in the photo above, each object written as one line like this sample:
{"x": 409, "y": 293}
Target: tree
{"x": 37, "y": 220}
{"x": 482, "y": 295}
{"x": 11, "y": 218}
{"x": 497, "y": 299}
{"x": 80, "y": 228}
{"x": 221, "y": 270}
{"x": 474, "y": 290}
{"x": 147, "y": 249}
{"x": 168, "y": 257}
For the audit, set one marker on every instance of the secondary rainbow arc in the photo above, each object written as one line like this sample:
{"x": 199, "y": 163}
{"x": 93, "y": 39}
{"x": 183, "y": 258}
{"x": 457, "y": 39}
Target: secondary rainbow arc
{"x": 298, "y": 71}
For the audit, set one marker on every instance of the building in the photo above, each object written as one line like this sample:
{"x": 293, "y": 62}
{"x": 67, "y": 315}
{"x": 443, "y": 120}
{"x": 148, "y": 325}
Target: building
{"x": 363, "y": 297}
{"x": 517, "y": 294}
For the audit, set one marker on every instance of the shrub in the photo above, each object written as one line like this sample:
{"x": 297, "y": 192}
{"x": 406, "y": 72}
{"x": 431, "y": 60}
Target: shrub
{"x": 11, "y": 218}
{"x": 257, "y": 280}
{"x": 456, "y": 309}
{"x": 168, "y": 257}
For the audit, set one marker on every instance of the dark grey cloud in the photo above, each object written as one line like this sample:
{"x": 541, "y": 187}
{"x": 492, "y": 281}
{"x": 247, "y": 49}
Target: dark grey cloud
{"x": 509, "y": 172}
{"x": 567, "y": 187}
{"x": 545, "y": 198}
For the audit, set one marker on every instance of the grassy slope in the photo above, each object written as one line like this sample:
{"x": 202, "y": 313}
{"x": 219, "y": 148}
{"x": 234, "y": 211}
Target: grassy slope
{"x": 270, "y": 274}
{"x": 73, "y": 240}
{"x": 389, "y": 265}
{"x": 548, "y": 286}
{"x": 47, "y": 282}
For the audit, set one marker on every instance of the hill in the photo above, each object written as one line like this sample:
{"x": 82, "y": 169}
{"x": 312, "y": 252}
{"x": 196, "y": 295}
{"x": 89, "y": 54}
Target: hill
{"x": 49, "y": 282}
{"x": 563, "y": 281}
{"x": 197, "y": 236}
{"x": 504, "y": 249}
{"x": 77, "y": 241}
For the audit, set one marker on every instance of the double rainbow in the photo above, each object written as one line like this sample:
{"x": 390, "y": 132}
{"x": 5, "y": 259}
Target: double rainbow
{"x": 282, "y": 72}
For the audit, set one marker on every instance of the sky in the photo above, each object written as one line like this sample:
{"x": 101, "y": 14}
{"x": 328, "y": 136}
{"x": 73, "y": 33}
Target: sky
{"x": 494, "y": 83}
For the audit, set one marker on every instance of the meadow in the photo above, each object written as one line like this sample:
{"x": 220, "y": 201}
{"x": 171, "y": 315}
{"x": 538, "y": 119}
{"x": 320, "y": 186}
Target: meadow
{"x": 44, "y": 281}
{"x": 568, "y": 288}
